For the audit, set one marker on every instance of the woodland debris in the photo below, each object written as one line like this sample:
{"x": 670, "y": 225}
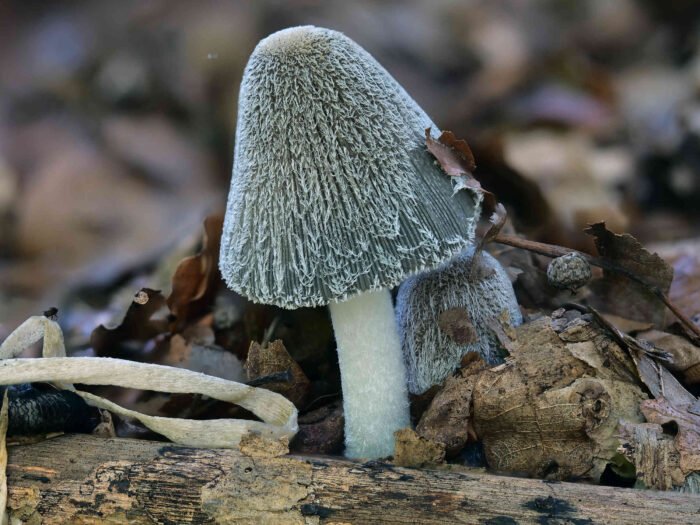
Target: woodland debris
{"x": 618, "y": 294}
{"x": 320, "y": 431}
{"x": 196, "y": 278}
{"x": 139, "y": 325}
{"x": 274, "y": 358}
{"x": 207, "y": 359}
{"x": 279, "y": 416}
{"x": 254, "y": 444}
{"x": 686, "y": 355}
{"x": 549, "y": 250}
{"x": 552, "y": 409}
{"x": 456, "y": 159}
{"x": 687, "y": 440}
{"x": 413, "y": 450}
{"x": 569, "y": 272}
{"x": 448, "y": 418}
{"x": 150, "y": 482}
{"x": 455, "y": 323}
{"x": 653, "y": 454}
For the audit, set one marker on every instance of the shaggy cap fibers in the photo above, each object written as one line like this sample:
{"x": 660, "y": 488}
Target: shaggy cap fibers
{"x": 333, "y": 191}
{"x": 430, "y": 354}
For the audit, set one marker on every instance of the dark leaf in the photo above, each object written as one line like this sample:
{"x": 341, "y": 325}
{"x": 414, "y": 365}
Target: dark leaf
{"x": 137, "y": 327}
{"x": 620, "y": 295}
{"x": 195, "y": 280}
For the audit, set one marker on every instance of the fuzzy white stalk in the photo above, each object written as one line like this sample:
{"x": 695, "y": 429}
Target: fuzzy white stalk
{"x": 373, "y": 376}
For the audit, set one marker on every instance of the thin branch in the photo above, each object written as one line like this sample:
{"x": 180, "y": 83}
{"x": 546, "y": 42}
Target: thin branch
{"x": 552, "y": 250}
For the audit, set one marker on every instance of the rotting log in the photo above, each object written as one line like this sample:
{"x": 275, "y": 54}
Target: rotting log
{"x": 85, "y": 479}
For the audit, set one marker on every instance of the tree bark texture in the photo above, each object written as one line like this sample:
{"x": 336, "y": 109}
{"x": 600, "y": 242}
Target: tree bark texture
{"x": 85, "y": 479}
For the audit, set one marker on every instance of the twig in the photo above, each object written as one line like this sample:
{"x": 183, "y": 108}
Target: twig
{"x": 552, "y": 250}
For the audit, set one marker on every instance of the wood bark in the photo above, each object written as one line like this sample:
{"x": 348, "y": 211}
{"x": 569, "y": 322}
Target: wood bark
{"x": 85, "y": 479}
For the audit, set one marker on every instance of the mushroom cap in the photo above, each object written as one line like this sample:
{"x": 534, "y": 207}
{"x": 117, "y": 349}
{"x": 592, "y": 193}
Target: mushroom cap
{"x": 333, "y": 191}
{"x": 430, "y": 351}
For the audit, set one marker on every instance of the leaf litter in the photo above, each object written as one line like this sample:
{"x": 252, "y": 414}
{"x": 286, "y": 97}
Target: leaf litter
{"x": 569, "y": 402}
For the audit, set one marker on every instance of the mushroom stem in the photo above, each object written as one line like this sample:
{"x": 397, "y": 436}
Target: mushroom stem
{"x": 373, "y": 373}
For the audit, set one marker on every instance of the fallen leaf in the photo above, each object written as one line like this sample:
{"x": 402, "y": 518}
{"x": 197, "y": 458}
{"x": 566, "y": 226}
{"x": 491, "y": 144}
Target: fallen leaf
{"x": 138, "y": 326}
{"x": 619, "y": 295}
{"x": 210, "y": 359}
{"x": 195, "y": 281}
{"x": 686, "y": 356}
{"x": 456, "y": 324}
{"x": 551, "y": 410}
{"x": 448, "y": 418}
{"x": 685, "y": 288}
{"x": 456, "y": 159}
{"x": 454, "y": 155}
{"x": 273, "y": 358}
{"x": 662, "y": 383}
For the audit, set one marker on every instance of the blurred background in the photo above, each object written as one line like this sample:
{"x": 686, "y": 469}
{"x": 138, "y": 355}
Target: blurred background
{"x": 117, "y": 123}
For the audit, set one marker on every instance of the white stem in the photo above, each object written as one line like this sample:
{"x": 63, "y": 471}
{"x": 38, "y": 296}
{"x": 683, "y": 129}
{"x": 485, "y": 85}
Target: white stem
{"x": 373, "y": 373}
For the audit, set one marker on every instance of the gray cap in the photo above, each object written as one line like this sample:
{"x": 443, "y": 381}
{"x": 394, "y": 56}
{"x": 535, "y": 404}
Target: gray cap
{"x": 484, "y": 293}
{"x": 333, "y": 190}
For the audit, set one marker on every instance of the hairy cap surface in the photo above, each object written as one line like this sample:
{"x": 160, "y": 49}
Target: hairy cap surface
{"x": 333, "y": 191}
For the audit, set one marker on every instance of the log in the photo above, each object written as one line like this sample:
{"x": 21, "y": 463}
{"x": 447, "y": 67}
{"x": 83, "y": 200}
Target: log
{"x": 86, "y": 479}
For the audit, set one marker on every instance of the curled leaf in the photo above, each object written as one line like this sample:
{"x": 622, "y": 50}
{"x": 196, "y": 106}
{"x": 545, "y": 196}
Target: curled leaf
{"x": 195, "y": 278}
{"x": 620, "y": 295}
{"x": 139, "y": 325}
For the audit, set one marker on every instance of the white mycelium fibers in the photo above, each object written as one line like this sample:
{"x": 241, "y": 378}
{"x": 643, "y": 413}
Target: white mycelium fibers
{"x": 333, "y": 191}
{"x": 430, "y": 354}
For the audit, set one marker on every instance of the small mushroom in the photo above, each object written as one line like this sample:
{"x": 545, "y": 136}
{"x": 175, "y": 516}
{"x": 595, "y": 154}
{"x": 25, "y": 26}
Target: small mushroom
{"x": 444, "y": 313}
{"x": 334, "y": 199}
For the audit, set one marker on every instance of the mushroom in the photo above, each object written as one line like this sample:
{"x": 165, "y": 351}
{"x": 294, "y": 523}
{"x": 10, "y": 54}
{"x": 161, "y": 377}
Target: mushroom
{"x": 445, "y": 313}
{"x": 334, "y": 200}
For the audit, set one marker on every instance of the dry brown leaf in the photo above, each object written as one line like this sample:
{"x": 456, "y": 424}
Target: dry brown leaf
{"x": 685, "y": 288}
{"x": 448, "y": 418}
{"x": 196, "y": 278}
{"x": 456, "y": 324}
{"x": 273, "y": 358}
{"x": 662, "y": 383}
{"x": 456, "y": 159}
{"x": 686, "y": 356}
{"x": 138, "y": 326}
{"x": 412, "y": 450}
{"x": 454, "y": 155}
{"x": 543, "y": 414}
{"x": 687, "y": 440}
{"x": 619, "y": 295}
{"x": 552, "y": 409}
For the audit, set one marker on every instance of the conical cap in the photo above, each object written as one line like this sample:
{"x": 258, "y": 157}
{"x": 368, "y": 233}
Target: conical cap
{"x": 333, "y": 190}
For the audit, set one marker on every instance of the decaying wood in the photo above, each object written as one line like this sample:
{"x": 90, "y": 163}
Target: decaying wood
{"x": 85, "y": 479}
